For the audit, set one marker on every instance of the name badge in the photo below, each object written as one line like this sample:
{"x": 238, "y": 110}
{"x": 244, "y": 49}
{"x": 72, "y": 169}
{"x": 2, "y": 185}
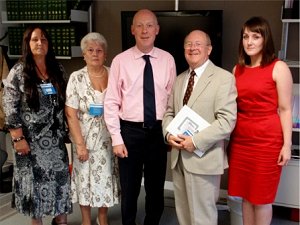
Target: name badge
{"x": 48, "y": 89}
{"x": 96, "y": 109}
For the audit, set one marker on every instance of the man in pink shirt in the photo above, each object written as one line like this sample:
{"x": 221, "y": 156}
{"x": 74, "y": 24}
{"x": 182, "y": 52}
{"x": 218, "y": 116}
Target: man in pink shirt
{"x": 139, "y": 146}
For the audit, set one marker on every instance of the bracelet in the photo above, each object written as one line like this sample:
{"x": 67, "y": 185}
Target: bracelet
{"x": 18, "y": 139}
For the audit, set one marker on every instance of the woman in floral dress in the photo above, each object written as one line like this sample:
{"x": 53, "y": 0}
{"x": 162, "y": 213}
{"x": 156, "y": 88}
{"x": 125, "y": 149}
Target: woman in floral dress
{"x": 95, "y": 176}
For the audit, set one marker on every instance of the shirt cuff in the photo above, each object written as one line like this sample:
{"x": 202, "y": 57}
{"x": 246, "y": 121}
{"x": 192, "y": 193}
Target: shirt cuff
{"x": 117, "y": 139}
{"x": 167, "y": 137}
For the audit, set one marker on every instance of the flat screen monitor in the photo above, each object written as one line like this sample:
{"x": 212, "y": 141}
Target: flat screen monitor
{"x": 174, "y": 26}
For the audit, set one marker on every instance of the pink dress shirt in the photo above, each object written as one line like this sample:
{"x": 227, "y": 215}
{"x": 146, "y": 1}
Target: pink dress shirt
{"x": 124, "y": 96}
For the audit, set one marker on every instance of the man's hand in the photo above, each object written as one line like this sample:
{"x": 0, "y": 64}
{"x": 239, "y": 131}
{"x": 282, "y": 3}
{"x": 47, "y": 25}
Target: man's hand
{"x": 120, "y": 151}
{"x": 174, "y": 141}
{"x": 187, "y": 143}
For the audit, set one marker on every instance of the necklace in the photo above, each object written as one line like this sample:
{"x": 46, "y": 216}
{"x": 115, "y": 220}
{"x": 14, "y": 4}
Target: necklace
{"x": 102, "y": 74}
{"x": 97, "y": 75}
{"x": 43, "y": 76}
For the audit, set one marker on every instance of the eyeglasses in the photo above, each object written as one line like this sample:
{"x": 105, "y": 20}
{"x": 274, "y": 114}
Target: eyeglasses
{"x": 196, "y": 45}
{"x": 91, "y": 51}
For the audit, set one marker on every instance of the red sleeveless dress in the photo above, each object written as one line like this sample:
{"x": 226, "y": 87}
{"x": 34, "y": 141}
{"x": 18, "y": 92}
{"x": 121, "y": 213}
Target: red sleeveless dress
{"x": 257, "y": 139}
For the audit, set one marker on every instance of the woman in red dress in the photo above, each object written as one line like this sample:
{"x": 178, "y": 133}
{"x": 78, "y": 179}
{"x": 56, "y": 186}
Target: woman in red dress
{"x": 261, "y": 142}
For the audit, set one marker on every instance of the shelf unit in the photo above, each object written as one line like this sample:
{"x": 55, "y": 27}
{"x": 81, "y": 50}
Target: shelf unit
{"x": 76, "y": 16}
{"x": 288, "y": 190}
{"x": 75, "y": 52}
{"x": 282, "y": 54}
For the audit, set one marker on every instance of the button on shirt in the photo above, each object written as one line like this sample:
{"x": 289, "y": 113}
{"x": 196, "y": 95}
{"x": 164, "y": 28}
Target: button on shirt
{"x": 124, "y": 96}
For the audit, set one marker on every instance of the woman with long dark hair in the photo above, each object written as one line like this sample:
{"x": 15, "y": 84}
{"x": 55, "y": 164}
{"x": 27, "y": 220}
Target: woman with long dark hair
{"x": 33, "y": 102}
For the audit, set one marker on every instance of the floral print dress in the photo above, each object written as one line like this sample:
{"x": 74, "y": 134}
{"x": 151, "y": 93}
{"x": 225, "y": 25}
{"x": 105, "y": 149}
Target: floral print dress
{"x": 95, "y": 182}
{"x": 41, "y": 178}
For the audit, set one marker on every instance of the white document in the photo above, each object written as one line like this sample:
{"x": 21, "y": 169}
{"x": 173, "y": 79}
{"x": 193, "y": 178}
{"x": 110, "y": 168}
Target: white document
{"x": 187, "y": 122}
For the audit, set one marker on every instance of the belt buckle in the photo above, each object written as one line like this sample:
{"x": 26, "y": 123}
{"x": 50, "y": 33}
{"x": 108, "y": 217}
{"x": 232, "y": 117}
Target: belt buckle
{"x": 148, "y": 127}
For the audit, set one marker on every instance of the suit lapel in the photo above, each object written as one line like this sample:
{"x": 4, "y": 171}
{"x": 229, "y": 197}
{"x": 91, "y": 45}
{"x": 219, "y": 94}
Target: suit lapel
{"x": 202, "y": 83}
{"x": 180, "y": 86}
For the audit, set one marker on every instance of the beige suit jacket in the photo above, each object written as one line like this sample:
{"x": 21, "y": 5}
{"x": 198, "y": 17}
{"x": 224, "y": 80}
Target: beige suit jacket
{"x": 213, "y": 98}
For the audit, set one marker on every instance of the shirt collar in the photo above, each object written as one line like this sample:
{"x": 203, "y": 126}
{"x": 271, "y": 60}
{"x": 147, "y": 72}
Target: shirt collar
{"x": 138, "y": 54}
{"x": 199, "y": 70}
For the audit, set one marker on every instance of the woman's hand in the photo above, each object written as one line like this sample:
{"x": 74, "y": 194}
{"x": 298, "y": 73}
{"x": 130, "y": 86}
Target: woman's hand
{"x": 21, "y": 147}
{"x": 19, "y": 142}
{"x": 82, "y": 153}
{"x": 284, "y": 156}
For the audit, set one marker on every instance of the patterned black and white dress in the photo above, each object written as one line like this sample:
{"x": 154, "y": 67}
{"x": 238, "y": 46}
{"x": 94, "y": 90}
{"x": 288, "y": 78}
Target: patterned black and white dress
{"x": 41, "y": 178}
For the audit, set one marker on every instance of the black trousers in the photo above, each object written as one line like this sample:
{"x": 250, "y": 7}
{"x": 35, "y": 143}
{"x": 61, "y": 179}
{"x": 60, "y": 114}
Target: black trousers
{"x": 147, "y": 155}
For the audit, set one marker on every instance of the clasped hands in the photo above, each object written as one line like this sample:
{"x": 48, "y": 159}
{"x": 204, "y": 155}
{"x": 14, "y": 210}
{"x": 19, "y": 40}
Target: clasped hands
{"x": 181, "y": 142}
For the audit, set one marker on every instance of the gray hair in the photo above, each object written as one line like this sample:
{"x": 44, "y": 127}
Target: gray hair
{"x": 93, "y": 36}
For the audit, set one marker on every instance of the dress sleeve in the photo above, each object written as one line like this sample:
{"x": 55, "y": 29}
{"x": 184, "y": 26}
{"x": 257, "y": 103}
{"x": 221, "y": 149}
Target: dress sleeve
{"x": 12, "y": 97}
{"x": 72, "y": 96}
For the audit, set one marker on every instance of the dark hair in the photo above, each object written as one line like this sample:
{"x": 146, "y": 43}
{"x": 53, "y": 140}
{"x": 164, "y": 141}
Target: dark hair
{"x": 261, "y": 26}
{"x": 54, "y": 69}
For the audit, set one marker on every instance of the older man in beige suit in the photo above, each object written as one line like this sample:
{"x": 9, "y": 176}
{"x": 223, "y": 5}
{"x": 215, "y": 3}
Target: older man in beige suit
{"x": 211, "y": 93}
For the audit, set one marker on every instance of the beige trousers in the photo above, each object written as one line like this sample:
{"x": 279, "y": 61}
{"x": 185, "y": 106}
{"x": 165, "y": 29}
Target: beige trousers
{"x": 195, "y": 196}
